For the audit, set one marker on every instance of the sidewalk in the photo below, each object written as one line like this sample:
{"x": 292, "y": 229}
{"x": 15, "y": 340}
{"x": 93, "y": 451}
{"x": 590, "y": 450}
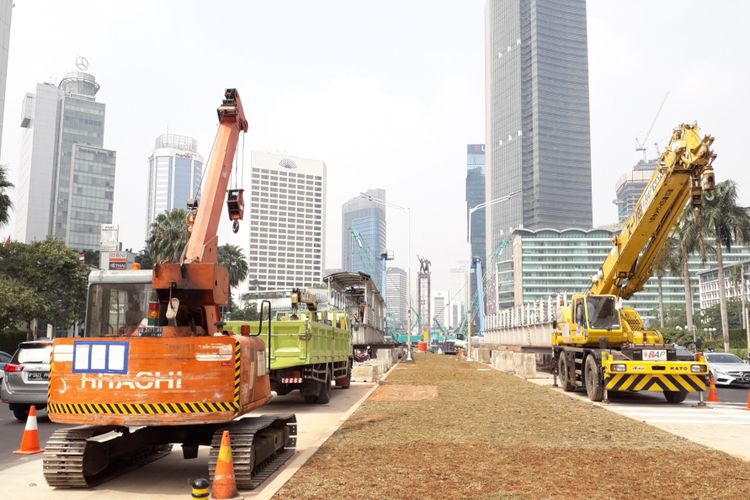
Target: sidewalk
{"x": 722, "y": 426}
{"x": 452, "y": 429}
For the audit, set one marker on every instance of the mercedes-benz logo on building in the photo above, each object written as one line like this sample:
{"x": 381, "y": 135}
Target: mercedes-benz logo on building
{"x": 82, "y": 63}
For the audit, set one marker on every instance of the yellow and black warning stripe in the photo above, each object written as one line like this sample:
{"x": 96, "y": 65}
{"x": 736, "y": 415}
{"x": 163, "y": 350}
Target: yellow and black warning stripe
{"x": 237, "y": 372}
{"x": 656, "y": 382}
{"x": 140, "y": 408}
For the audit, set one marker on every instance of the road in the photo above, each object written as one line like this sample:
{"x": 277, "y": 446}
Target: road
{"x": 170, "y": 477}
{"x": 11, "y": 431}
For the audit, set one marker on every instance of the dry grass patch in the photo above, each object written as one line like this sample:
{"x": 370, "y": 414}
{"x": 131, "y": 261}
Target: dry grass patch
{"x": 492, "y": 435}
{"x": 404, "y": 393}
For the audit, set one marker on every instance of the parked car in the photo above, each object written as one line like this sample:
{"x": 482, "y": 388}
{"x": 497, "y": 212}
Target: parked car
{"x": 728, "y": 369}
{"x": 26, "y": 377}
{"x": 4, "y": 359}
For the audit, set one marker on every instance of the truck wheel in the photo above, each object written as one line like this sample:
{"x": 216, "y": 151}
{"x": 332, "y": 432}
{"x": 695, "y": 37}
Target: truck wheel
{"x": 324, "y": 395}
{"x": 564, "y": 373}
{"x": 675, "y": 397}
{"x": 593, "y": 379}
{"x": 346, "y": 381}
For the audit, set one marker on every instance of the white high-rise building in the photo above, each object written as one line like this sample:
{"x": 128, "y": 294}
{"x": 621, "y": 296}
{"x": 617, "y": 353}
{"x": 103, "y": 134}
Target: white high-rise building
{"x": 37, "y": 164}
{"x": 457, "y": 315}
{"x": 287, "y": 222}
{"x": 174, "y": 174}
{"x": 66, "y": 178}
{"x": 396, "y": 299}
{"x": 440, "y": 307}
{"x": 6, "y": 12}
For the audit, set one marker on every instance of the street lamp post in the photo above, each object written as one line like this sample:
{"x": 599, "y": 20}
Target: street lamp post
{"x": 408, "y": 314}
{"x": 472, "y": 210}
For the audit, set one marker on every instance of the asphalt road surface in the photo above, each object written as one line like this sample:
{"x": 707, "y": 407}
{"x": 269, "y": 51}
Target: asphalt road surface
{"x": 11, "y": 432}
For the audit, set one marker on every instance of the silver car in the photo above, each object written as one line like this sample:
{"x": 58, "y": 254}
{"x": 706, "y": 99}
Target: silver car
{"x": 728, "y": 369}
{"x": 4, "y": 360}
{"x": 26, "y": 377}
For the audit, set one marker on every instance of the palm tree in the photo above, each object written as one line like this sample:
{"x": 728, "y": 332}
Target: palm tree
{"x": 5, "y": 203}
{"x": 668, "y": 261}
{"x": 233, "y": 258}
{"x": 726, "y": 222}
{"x": 691, "y": 235}
{"x": 168, "y": 236}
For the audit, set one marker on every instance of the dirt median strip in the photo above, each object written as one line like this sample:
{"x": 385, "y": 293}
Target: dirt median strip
{"x": 489, "y": 434}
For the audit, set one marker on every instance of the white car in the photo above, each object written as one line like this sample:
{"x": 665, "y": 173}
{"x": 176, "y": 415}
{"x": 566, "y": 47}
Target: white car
{"x": 728, "y": 369}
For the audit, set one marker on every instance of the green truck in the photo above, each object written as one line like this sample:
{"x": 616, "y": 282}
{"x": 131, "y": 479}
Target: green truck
{"x": 308, "y": 349}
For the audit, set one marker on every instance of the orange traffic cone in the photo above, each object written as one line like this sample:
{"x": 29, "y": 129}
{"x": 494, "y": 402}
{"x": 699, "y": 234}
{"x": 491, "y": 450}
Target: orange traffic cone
{"x": 224, "y": 485}
{"x": 30, "y": 439}
{"x": 713, "y": 396}
{"x": 748, "y": 399}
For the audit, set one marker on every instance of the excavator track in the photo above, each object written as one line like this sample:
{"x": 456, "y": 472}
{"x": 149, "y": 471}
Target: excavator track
{"x": 260, "y": 446}
{"x": 73, "y": 458}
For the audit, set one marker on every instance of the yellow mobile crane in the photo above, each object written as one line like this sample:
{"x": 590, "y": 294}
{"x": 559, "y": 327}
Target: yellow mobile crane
{"x": 601, "y": 345}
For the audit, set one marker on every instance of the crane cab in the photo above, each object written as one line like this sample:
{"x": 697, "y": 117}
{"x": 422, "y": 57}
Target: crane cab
{"x": 588, "y": 319}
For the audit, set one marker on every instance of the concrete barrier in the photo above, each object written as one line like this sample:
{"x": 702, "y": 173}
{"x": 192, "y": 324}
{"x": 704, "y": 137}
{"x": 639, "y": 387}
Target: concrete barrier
{"x": 506, "y": 361}
{"x": 365, "y": 372}
{"x": 530, "y": 365}
{"x": 524, "y": 365}
{"x": 483, "y": 355}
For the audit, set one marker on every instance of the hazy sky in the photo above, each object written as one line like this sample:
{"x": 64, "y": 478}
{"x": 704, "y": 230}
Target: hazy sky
{"x": 387, "y": 93}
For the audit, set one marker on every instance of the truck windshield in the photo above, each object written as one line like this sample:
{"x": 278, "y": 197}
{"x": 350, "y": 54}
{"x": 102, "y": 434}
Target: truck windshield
{"x": 603, "y": 314}
{"x": 116, "y": 309}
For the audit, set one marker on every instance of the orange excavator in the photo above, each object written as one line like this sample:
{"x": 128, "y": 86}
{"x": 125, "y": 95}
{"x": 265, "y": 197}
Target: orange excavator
{"x": 135, "y": 388}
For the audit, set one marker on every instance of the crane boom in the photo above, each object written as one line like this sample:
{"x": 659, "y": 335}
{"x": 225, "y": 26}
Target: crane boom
{"x": 201, "y": 246}
{"x": 198, "y": 282}
{"x": 684, "y": 172}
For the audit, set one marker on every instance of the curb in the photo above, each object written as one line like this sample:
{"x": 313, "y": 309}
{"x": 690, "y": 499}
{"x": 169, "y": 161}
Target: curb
{"x": 296, "y": 463}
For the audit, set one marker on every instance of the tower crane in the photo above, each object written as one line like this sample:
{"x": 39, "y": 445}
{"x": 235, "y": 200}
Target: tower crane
{"x": 641, "y": 145}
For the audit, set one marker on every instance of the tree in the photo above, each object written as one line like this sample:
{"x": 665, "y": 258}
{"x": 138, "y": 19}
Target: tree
{"x": 248, "y": 312}
{"x": 667, "y": 262}
{"x": 18, "y": 303}
{"x": 168, "y": 236}
{"x": 692, "y": 239}
{"x": 5, "y": 204}
{"x": 727, "y": 223}
{"x": 144, "y": 259}
{"x": 55, "y": 276}
{"x": 233, "y": 258}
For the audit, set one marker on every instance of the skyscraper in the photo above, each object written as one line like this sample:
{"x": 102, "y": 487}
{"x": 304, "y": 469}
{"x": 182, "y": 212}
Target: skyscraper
{"x": 475, "y": 196}
{"x": 174, "y": 174}
{"x": 440, "y": 307}
{"x": 66, "y": 177}
{"x": 364, "y": 220}
{"x": 396, "y": 299}
{"x": 537, "y": 116}
{"x": 287, "y": 222}
{"x": 631, "y": 185}
{"x": 475, "y": 192}
{"x": 6, "y": 12}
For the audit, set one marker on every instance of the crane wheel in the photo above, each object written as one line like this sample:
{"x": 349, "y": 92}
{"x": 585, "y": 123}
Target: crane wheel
{"x": 675, "y": 397}
{"x": 592, "y": 377}
{"x": 567, "y": 382}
